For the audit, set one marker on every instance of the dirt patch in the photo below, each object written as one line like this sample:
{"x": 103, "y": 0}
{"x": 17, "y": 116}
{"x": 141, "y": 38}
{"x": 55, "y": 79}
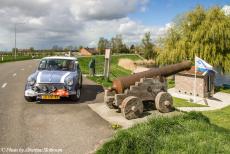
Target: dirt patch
{"x": 131, "y": 65}
{"x": 145, "y": 63}
{"x": 127, "y": 64}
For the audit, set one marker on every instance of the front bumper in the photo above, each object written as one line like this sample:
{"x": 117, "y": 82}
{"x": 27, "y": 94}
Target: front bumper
{"x": 59, "y": 92}
{"x": 57, "y": 89}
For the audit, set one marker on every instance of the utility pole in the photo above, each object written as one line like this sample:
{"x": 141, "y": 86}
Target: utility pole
{"x": 15, "y": 52}
{"x": 15, "y": 39}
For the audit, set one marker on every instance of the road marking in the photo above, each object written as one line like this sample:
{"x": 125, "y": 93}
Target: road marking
{"x": 4, "y": 85}
{"x": 14, "y": 74}
{"x": 22, "y": 69}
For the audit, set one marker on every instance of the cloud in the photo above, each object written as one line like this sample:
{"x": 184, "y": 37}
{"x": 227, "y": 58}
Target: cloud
{"x": 27, "y": 7}
{"x": 132, "y": 32}
{"x": 105, "y": 9}
{"x": 226, "y": 10}
{"x": 44, "y": 23}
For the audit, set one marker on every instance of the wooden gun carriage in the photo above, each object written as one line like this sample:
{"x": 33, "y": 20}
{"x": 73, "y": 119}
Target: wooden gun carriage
{"x": 128, "y": 93}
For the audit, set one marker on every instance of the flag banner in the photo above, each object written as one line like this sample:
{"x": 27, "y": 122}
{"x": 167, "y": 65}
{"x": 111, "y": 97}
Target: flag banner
{"x": 202, "y": 65}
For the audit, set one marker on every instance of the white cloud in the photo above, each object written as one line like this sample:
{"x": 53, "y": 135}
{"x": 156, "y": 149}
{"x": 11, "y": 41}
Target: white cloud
{"x": 35, "y": 21}
{"x": 226, "y": 10}
{"x": 105, "y": 9}
{"x": 70, "y": 22}
{"x": 133, "y": 31}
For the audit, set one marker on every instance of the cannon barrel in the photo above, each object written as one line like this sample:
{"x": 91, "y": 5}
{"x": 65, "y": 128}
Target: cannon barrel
{"x": 122, "y": 83}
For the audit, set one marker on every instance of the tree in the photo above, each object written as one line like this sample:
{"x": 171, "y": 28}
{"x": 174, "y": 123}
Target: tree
{"x": 55, "y": 47}
{"x": 132, "y": 48}
{"x": 148, "y": 47}
{"x": 32, "y": 49}
{"x": 124, "y": 49}
{"x": 70, "y": 47}
{"x": 13, "y": 51}
{"x": 102, "y": 45}
{"x": 200, "y": 32}
{"x": 117, "y": 44}
{"x": 80, "y": 47}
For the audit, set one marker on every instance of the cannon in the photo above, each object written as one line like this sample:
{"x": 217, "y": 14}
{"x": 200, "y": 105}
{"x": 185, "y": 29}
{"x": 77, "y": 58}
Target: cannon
{"x": 127, "y": 94}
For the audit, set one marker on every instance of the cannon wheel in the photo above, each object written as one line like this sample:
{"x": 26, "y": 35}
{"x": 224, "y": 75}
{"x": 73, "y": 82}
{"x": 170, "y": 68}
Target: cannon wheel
{"x": 164, "y": 102}
{"x": 131, "y": 107}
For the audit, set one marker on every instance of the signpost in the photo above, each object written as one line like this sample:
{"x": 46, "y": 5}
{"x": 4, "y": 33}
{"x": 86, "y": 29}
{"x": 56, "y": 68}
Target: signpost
{"x": 107, "y": 64}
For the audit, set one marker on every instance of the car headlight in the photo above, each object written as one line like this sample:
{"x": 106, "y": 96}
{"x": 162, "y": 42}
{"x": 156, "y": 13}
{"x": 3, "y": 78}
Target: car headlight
{"x": 69, "y": 81}
{"x": 31, "y": 81}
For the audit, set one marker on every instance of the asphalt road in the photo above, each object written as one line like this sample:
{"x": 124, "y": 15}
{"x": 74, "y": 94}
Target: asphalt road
{"x": 72, "y": 127}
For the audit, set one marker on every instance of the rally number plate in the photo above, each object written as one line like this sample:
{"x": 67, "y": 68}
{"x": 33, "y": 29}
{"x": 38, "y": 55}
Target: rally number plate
{"x": 50, "y": 97}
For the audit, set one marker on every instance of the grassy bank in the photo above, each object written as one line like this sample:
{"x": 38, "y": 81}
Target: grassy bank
{"x": 222, "y": 89}
{"x": 219, "y": 117}
{"x": 187, "y": 133}
{"x": 116, "y": 71}
{"x": 171, "y": 83}
{"x": 178, "y": 102}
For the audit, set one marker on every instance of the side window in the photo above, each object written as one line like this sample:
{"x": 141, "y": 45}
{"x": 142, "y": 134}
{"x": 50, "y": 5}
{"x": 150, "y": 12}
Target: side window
{"x": 42, "y": 65}
{"x": 71, "y": 65}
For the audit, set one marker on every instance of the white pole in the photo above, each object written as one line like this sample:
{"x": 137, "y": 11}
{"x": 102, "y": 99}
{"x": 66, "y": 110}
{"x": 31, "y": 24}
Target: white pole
{"x": 15, "y": 38}
{"x": 15, "y": 54}
{"x": 107, "y": 63}
{"x": 194, "y": 86}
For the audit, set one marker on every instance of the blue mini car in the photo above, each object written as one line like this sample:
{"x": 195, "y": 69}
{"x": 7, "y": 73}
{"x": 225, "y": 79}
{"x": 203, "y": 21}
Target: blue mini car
{"x": 56, "y": 77}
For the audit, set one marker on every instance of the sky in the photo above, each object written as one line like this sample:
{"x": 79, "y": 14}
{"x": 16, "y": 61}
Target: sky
{"x": 44, "y": 23}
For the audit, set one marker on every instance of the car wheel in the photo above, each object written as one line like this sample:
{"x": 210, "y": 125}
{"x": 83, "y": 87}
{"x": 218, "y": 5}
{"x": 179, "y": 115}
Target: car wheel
{"x": 30, "y": 99}
{"x": 77, "y": 96}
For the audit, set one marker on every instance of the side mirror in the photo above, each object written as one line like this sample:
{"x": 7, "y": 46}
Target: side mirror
{"x": 77, "y": 64}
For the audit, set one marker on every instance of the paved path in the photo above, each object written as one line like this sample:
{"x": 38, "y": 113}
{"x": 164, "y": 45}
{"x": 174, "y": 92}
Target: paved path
{"x": 218, "y": 101}
{"x": 72, "y": 127}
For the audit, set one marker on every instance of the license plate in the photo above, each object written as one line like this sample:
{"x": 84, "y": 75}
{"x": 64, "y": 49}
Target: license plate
{"x": 50, "y": 97}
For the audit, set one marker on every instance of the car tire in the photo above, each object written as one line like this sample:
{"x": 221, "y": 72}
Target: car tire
{"x": 30, "y": 99}
{"x": 77, "y": 96}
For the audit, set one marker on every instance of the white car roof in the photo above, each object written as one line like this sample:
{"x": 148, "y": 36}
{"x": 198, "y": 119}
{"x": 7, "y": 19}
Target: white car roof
{"x": 60, "y": 57}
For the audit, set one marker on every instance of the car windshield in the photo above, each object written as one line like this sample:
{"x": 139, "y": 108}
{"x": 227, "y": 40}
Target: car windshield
{"x": 57, "y": 64}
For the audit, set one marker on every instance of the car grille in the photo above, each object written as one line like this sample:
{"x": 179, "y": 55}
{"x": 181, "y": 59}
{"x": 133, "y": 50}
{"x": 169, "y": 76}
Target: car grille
{"x": 48, "y": 87}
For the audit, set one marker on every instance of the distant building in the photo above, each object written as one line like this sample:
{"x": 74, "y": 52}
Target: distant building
{"x": 184, "y": 83}
{"x": 88, "y": 51}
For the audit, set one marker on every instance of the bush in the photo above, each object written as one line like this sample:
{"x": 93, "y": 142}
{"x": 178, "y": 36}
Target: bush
{"x": 187, "y": 133}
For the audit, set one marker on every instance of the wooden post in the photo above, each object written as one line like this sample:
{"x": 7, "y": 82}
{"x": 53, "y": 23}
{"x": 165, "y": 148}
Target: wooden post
{"x": 107, "y": 64}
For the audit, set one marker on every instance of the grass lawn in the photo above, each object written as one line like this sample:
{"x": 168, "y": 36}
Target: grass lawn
{"x": 116, "y": 71}
{"x": 186, "y": 133}
{"x": 171, "y": 83}
{"x": 11, "y": 58}
{"x": 222, "y": 89}
{"x": 178, "y": 102}
{"x": 219, "y": 117}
